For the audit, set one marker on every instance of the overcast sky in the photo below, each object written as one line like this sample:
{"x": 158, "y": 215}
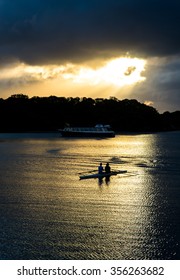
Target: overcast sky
{"x": 44, "y": 43}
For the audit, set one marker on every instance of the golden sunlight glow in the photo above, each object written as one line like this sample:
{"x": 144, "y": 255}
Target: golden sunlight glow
{"x": 21, "y": 70}
{"x": 118, "y": 72}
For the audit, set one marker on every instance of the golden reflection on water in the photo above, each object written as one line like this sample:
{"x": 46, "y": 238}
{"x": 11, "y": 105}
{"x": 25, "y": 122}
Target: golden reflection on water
{"x": 125, "y": 218}
{"x": 133, "y": 205}
{"x": 124, "y": 203}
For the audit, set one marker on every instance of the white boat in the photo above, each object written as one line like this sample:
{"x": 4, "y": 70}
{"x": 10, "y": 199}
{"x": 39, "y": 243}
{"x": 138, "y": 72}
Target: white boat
{"x": 97, "y": 131}
{"x": 102, "y": 175}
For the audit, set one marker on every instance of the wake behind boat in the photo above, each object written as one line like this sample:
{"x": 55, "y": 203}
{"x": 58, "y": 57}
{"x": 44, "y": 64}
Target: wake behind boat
{"x": 101, "y": 175}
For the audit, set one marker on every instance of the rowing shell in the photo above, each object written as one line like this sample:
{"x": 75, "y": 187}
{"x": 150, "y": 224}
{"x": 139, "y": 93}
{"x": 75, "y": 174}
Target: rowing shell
{"x": 102, "y": 175}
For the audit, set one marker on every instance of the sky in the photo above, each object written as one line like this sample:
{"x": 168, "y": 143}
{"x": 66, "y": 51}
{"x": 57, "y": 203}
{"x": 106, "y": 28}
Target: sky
{"x": 93, "y": 48}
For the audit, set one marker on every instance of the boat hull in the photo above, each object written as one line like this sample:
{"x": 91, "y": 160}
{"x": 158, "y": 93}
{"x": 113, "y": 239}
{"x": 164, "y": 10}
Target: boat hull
{"x": 103, "y": 175}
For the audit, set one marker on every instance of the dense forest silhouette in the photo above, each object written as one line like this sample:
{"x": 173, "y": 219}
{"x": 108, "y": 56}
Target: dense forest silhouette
{"x": 19, "y": 113}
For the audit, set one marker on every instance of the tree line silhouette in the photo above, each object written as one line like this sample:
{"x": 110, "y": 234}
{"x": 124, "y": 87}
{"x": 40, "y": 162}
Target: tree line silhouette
{"x": 19, "y": 113}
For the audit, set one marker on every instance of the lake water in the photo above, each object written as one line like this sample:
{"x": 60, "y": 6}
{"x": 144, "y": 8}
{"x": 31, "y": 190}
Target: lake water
{"x": 48, "y": 213}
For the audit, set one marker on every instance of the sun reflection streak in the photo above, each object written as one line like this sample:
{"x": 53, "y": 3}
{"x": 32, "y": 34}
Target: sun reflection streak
{"x": 144, "y": 195}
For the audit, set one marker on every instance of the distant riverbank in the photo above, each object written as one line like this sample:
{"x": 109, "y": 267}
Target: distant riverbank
{"x": 19, "y": 113}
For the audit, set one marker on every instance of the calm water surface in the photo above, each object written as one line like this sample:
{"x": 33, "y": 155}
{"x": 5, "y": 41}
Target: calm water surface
{"x": 48, "y": 213}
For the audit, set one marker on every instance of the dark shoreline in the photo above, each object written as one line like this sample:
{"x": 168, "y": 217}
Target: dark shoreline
{"x": 19, "y": 113}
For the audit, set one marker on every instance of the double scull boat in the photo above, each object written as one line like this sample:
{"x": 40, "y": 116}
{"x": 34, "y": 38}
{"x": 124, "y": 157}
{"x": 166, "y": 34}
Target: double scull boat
{"x": 101, "y": 175}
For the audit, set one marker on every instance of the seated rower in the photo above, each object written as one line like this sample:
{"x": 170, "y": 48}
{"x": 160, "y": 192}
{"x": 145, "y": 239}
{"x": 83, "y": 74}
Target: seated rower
{"x": 100, "y": 168}
{"x": 107, "y": 168}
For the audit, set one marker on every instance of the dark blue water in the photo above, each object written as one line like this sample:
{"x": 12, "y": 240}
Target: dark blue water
{"x": 48, "y": 213}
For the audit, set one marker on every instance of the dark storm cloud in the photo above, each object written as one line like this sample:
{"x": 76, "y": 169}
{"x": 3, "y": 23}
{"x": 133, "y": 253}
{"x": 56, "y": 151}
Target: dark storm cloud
{"x": 162, "y": 85}
{"x": 44, "y": 31}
